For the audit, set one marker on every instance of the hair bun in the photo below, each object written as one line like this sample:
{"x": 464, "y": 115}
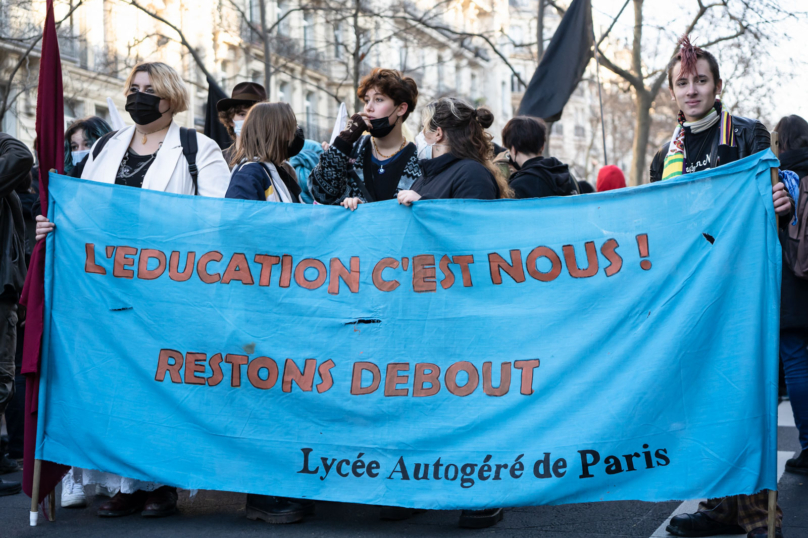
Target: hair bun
{"x": 484, "y": 117}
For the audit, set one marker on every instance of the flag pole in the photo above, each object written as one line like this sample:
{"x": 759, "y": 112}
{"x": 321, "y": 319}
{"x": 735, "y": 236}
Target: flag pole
{"x": 600, "y": 96}
{"x": 34, "y": 515}
{"x": 772, "y": 512}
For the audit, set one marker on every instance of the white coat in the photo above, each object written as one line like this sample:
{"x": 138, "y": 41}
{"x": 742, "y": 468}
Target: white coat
{"x": 169, "y": 171}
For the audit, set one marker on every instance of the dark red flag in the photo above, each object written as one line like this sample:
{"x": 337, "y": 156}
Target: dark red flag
{"x": 50, "y": 149}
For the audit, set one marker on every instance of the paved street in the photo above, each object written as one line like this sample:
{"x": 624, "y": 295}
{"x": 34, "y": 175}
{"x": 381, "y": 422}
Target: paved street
{"x": 222, "y": 515}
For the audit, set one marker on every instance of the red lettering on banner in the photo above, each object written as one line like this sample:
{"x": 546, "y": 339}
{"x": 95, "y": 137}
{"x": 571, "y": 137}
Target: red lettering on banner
{"x": 423, "y": 273}
{"x": 143, "y": 271}
{"x": 300, "y": 274}
{"x": 89, "y": 264}
{"x": 202, "y": 267}
{"x": 253, "y": 373}
{"x": 527, "y": 368}
{"x": 304, "y": 379}
{"x": 513, "y": 269}
{"x": 194, "y": 363}
{"x": 591, "y": 259}
{"x": 174, "y": 263}
{"x": 356, "y": 378}
{"x": 266, "y": 267}
{"x": 238, "y": 269}
{"x": 164, "y": 366}
{"x": 378, "y": 277}
{"x": 122, "y": 261}
{"x": 351, "y": 278}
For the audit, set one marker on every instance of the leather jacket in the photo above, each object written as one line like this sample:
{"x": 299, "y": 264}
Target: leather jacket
{"x": 15, "y": 174}
{"x": 750, "y": 137}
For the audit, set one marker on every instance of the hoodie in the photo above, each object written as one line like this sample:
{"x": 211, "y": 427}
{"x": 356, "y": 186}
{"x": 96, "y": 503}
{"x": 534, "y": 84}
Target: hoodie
{"x": 543, "y": 176}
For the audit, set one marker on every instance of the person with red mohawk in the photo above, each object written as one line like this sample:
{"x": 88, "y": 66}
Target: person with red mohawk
{"x": 706, "y": 136}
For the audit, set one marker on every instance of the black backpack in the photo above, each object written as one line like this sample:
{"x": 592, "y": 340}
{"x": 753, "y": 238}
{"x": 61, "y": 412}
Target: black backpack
{"x": 189, "y": 149}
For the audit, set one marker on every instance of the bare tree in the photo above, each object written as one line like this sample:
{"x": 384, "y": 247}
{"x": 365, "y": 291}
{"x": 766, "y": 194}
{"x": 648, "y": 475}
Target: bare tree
{"x": 25, "y": 44}
{"x": 725, "y": 21}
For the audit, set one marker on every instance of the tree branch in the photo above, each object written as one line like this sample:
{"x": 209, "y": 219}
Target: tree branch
{"x": 183, "y": 40}
{"x": 22, "y": 60}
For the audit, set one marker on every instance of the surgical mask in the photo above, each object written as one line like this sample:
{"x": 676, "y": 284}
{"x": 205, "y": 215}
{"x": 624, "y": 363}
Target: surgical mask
{"x": 79, "y": 156}
{"x": 424, "y": 148}
{"x": 237, "y": 127}
{"x": 381, "y": 127}
{"x": 143, "y": 108}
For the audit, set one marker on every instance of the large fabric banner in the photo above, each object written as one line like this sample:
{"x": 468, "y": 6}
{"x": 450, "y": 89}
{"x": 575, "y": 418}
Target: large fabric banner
{"x": 452, "y": 354}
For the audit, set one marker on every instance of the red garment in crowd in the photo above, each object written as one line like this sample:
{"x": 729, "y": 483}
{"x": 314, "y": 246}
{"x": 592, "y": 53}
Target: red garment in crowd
{"x": 50, "y": 150}
{"x": 610, "y": 177}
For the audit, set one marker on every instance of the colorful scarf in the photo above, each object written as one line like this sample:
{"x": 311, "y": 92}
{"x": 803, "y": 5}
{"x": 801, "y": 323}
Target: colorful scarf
{"x": 675, "y": 159}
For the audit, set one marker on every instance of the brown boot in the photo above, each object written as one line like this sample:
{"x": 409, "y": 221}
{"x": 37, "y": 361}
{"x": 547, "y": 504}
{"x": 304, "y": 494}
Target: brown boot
{"x": 161, "y": 502}
{"x": 123, "y": 504}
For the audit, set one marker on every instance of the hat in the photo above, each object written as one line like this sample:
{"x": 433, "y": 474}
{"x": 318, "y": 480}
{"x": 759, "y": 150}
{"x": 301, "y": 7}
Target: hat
{"x": 245, "y": 93}
{"x": 609, "y": 178}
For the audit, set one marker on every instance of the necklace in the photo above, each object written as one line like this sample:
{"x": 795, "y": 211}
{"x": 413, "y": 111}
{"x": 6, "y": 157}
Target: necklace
{"x": 143, "y": 141}
{"x": 386, "y": 157}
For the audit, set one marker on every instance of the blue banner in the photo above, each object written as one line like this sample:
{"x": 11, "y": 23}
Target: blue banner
{"x": 452, "y": 354}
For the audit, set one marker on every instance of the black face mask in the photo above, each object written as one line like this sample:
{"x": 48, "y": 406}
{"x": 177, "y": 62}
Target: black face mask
{"x": 513, "y": 163}
{"x": 143, "y": 108}
{"x": 296, "y": 145}
{"x": 381, "y": 127}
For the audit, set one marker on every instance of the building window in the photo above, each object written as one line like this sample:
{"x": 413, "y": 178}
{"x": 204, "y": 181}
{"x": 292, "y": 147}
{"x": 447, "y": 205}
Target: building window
{"x": 402, "y": 59}
{"x": 505, "y": 96}
{"x": 441, "y": 85}
{"x": 516, "y": 86}
{"x": 311, "y": 111}
{"x": 338, "y": 41}
{"x": 283, "y": 9}
{"x": 103, "y": 113}
{"x": 580, "y": 132}
{"x": 558, "y": 128}
{"x": 72, "y": 111}
{"x": 473, "y": 86}
{"x": 283, "y": 92}
{"x": 308, "y": 31}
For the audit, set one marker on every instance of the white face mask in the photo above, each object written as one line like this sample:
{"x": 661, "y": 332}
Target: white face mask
{"x": 78, "y": 156}
{"x": 424, "y": 148}
{"x": 237, "y": 127}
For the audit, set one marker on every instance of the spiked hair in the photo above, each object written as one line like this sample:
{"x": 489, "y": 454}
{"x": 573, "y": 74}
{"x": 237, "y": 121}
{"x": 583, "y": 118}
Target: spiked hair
{"x": 688, "y": 55}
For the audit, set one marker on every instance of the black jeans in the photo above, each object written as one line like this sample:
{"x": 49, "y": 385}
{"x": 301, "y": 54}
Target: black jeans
{"x": 8, "y": 351}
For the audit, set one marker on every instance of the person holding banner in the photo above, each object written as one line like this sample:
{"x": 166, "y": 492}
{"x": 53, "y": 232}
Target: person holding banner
{"x": 793, "y": 132}
{"x": 358, "y": 169}
{"x": 456, "y": 160}
{"x": 150, "y": 155}
{"x": 707, "y": 136}
{"x": 456, "y": 163}
{"x": 260, "y": 170}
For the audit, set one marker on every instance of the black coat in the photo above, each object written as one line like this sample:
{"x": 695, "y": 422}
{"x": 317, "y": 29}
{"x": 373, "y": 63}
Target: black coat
{"x": 793, "y": 290}
{"x": 15, "y": 175}
{"x": 448, "y": 177}
{"x": 750, "y": 137}
{"x": 543, "y": 176}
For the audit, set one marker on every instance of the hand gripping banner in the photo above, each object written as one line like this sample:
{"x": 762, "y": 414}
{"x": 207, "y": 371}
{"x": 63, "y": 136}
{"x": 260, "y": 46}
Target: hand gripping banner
{"x": 452, "y": 354}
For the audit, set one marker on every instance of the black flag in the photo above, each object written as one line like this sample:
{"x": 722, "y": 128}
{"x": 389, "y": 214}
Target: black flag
{"x": 213, "y": 127}
{"x": 562, "y": 65}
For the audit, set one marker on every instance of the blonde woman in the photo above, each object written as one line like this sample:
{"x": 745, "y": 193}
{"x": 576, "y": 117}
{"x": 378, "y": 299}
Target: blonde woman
{"x": 260, "y": 170}
{"x": 148, "y": 155}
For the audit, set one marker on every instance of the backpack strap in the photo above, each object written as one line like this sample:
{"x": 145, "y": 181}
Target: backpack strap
{"x": 99, "y": 145}
{"x": 190, "y": 149}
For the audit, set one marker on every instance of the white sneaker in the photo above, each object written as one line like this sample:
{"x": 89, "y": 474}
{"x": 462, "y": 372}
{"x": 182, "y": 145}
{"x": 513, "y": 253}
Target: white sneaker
{"x": 72, "y": 492}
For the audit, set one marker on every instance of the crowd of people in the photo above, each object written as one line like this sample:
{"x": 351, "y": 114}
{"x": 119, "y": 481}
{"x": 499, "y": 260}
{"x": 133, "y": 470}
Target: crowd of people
{"x": 452, "y": 156}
